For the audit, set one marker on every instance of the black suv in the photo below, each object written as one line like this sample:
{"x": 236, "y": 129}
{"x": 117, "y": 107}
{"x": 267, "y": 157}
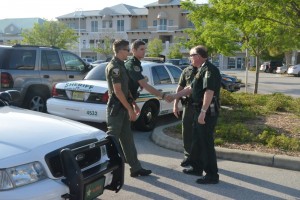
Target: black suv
{"x": 272, "y": 65}
{"x": 33, "y": 70}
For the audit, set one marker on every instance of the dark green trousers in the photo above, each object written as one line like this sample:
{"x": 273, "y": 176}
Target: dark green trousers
{"x": 203, "y": 154}
{"x": 187, "y": 129}
{"x": 120, "y": 127}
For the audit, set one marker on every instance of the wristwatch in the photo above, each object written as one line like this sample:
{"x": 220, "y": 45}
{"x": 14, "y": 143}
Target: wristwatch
{"x": 203, "y": 110}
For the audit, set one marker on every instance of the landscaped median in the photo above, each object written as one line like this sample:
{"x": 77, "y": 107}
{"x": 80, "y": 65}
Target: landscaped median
{"x": 272, "y": 160}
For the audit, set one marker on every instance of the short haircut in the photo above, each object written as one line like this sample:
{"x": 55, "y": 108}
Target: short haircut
{"x": 119, "y": 45}
{"x": 137, "y": 43}
{"x": 202, "y": 51}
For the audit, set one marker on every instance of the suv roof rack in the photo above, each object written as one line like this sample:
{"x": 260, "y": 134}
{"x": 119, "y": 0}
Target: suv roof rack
{"x": 25, "y": 45}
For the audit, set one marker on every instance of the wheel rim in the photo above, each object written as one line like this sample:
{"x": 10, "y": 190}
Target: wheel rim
{"x": 37, "y": 104}
{"x": 149, "y": 116}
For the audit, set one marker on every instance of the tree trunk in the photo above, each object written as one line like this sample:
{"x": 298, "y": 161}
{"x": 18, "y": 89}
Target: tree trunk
{"x": 256, "y": 76}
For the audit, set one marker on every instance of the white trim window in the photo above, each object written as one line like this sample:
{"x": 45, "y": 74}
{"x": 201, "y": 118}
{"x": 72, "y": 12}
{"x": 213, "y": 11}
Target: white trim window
{"x": 120, "y": 25}
{"x": 94, "y": 26}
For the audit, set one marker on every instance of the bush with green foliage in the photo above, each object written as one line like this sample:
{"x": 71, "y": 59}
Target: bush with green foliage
{"x": 239, "y": 108}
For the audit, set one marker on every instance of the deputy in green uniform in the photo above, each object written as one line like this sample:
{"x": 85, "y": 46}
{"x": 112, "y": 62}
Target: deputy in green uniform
{"x": 137, "y": 79}
{"x": 205, "y": 92}
{"x": 121, "y": 111}
{"x": 186, "y": 78}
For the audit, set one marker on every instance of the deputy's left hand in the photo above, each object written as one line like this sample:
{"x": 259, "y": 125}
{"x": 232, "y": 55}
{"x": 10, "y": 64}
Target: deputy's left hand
{"x": 201, "y": 118}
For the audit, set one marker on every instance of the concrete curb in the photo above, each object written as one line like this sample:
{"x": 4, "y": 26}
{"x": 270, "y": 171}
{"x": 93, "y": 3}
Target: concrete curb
{"x": 272, "y": 160}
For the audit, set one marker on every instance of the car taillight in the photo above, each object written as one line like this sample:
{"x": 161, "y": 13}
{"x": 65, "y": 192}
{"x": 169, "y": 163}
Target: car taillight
{"x": 105, "y": 97}
{"x": 54, "y": 92}
{"x": 6, "y": 80}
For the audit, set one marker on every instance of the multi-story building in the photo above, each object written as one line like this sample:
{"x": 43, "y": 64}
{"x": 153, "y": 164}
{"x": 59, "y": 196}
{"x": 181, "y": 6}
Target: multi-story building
{"x": 164, "y": 20}
{"x": 11, "y": 29}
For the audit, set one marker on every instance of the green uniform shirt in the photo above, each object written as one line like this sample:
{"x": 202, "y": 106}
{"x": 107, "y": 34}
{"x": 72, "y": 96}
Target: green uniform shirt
{"x": 187, "y": 76}
{"x": 208, "y": 77}
{"x": 116, "y": 73}
{"x": 134, "y": 68}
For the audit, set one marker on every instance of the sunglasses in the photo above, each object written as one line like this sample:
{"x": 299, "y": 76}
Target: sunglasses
{"x": 126, "y": 50}
{"x": 194, "y": 54}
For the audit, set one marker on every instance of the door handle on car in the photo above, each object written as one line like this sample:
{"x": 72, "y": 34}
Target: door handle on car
{"x": 71, "y": 76}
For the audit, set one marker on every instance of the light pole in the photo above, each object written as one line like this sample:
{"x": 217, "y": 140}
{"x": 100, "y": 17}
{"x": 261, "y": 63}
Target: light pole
{"x": 78, "y": 12}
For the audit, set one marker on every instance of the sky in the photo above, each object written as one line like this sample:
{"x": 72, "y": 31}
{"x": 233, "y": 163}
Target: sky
{"x": 50, "y": 9}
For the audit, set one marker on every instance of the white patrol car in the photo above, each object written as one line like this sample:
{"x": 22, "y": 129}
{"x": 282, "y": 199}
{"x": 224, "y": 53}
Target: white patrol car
{"x": 86, "y": 100}
{"x": 51, "y": 158}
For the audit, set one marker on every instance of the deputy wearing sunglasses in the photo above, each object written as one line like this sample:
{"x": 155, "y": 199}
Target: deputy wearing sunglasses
{"x": 205, "y": 91}
{"x": 120, "y": 110}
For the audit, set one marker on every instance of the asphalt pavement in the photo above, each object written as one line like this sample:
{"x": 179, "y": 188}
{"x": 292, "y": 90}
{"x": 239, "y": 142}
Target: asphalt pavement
{"x": 266, "y": 159}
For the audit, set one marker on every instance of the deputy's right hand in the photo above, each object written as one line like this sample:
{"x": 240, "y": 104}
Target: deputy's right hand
{"x": 176, "y": 111}
{"x": 132, "y": 115}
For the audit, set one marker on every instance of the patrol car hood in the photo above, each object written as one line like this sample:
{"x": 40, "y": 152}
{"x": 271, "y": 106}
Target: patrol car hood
{"x": 23, "y": 130}
{"x": 84, "y": 86}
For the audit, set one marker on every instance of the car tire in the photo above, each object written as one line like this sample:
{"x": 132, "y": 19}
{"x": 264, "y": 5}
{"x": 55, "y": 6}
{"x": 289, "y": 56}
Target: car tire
{"x": 36, "y": 101}
{"x": 147, "y": 118}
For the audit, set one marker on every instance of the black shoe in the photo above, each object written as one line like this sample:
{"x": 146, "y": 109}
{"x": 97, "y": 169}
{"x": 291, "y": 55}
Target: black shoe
{"x": 191, "y": 171}
{"x": 207, "y": 180}
{"x": 141, "y": 172}
{"x": 185, "y": 163}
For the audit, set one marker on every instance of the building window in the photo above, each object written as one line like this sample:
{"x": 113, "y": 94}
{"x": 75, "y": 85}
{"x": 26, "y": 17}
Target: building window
{"x": 72, "y": 25}
{"x": 154, "y": 22}
{"x": 171, "y": 22}
{"x": 120, "y": 25}
{"x": 94, "y": 26}
{"x": 190, "y": 24}
{"x": 162, "y": 24}
{"x": 142, "y": 24}
{"x": 106, "y": 24}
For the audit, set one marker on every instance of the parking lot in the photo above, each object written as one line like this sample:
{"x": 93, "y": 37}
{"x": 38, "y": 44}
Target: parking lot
{"x": 269, "y": 83}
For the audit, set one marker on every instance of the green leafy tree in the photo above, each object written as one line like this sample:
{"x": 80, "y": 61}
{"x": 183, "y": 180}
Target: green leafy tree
{"x": 235, "y": 25}
{"x": 174, "y": 51}
{"x": 154, "y": 48}
{"x": 50, "y": 33}
{"x": 105, "y": 48}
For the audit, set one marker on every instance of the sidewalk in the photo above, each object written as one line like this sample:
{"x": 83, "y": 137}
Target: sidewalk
{"x": 272, "y": 160}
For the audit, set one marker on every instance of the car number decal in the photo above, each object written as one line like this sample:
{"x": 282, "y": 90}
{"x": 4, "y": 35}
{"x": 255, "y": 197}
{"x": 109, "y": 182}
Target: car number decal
{"x": 91, "y": 112}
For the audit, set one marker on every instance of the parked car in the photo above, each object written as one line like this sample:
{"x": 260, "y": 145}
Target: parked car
{"x": 85, "y": 100}
{"x": 263, "y": 66}
{"x": 294, "y": 70}
{"x": 96, "y": 62}
{"x": 33, "y": 70}
{"x": 182, "y": 62}
{"x": 281, "y": 70}
{"x": 88, "y": 60}
{"x": 230, "y": 83}
{"x": 48, "y": 157}
{"x": 271, "y": 66}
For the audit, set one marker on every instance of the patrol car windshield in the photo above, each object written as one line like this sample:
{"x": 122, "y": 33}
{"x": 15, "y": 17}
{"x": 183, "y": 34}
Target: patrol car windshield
{"x": 97, "y": 73}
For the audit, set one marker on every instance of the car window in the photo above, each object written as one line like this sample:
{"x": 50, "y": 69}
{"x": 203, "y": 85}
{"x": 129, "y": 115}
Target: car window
{"x": 97, "y": 73}
{"x": 160, "y": 75}
{"x": 21, "y": 59}
{"x": 72, "y": 62}
{"x": 50, "y": 60}
{"x": 175, "y": 72}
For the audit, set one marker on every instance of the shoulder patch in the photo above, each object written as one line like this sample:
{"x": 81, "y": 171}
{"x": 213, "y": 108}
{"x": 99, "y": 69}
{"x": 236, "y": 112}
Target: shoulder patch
{"x": 136, "y": 68}
{"x": 116, "y": 72}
